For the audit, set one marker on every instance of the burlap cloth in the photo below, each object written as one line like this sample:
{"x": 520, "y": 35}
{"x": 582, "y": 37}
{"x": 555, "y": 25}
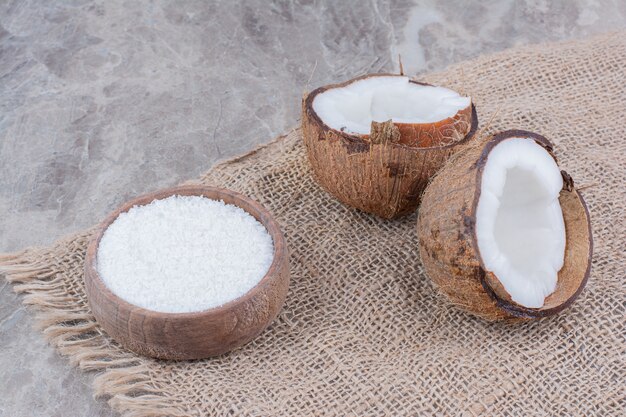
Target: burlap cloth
{"x": 363, "y": 331}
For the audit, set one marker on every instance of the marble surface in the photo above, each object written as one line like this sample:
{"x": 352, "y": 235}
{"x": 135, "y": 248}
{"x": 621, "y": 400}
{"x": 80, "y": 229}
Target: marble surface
{"x": 101, "y": 101}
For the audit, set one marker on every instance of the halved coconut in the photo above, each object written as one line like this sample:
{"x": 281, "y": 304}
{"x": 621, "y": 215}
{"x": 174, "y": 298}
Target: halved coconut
{"x": 375, "y": 141}
{"x": 503, "y": 232}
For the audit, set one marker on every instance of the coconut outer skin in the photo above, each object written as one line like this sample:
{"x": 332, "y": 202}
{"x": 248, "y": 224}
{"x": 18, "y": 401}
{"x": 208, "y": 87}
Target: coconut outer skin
{"x": 449, "y": 250}
{"x": 386, "y": 179}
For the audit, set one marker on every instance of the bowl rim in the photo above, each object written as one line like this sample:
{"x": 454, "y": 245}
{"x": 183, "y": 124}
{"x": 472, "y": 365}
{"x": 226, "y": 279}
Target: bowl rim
{"x": 270, "y": 224}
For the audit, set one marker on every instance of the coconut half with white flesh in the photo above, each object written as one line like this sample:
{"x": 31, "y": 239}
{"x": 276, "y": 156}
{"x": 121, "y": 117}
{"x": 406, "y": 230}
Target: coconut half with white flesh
{"x": 503, "y": 232}
{"x": 375, "y": 141}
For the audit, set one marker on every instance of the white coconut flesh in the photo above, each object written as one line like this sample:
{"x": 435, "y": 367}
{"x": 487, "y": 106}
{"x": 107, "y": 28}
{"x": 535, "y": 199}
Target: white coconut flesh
{"x": 519, "y": 222}
{"x": 380, "y": 98}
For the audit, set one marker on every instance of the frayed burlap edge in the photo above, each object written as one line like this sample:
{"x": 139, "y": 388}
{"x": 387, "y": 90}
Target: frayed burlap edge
{"x": 124, "y": 377}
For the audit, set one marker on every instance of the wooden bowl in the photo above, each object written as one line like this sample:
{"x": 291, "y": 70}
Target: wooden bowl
{"x": 198, "y": 334}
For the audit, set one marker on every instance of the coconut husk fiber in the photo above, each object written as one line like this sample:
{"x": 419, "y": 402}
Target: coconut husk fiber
{"x": 363, "y": 331}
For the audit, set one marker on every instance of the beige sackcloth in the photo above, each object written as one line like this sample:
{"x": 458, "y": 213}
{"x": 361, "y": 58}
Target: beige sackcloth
{"x": 363, "y": 331}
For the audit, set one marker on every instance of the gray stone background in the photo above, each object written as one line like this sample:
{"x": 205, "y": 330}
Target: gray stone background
{"x": 101, "y": 101}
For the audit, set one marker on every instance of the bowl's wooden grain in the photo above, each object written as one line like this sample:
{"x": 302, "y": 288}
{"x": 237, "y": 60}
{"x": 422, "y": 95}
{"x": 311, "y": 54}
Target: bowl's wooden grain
{"x": 199, "y": 334}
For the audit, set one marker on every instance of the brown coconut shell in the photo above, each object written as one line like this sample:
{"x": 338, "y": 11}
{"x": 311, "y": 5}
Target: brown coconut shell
{"x": 448, "y": 245}
{"x": 383, "y": 174}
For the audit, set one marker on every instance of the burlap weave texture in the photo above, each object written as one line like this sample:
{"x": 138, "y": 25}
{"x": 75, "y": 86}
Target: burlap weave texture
{"x": 363, "y": 331}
